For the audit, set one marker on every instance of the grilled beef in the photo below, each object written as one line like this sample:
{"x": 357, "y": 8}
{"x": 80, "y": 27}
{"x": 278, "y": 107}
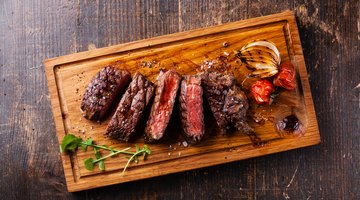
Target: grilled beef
{"x": 102, "y": 92}
{"x": 235, "y": 108}
{"x": 228, "y": 103}
{"x": 191, "y": 108}
{"x": 167, "y": 85}
{"x": 216, "y": 86}
{"x": 130, "y": 109}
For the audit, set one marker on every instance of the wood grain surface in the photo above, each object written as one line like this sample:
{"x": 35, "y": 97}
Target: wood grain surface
{"x": 31, "y": 31}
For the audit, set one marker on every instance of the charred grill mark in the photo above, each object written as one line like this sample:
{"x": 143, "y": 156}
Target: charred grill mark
{"x": 102, "y": 92}
{"x": 130, "y": 109}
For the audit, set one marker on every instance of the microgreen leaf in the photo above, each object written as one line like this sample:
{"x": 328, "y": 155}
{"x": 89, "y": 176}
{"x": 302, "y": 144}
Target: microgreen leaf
{"x": 85, "y": 144}
{"x": 98, "y": 156}
{"x": 70, "y": 143}
{"x": 147, "y": 149}
{"x": 144, "y": 151}
{"x": 89, "y": 164}
{"x": 102, "y": 165}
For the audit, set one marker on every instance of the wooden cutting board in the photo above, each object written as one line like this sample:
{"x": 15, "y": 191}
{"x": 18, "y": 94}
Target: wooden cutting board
{"x": 187, "y": 52}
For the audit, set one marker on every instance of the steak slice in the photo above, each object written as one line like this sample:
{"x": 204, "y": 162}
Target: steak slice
{"x": 102, "y": 92}
{"x": 235, "y": 108}
{"x": 167, "y": 85}
{"x": 216, "y": 87}
{"x": 191, "y": 108}
{"x": 130, "y": 109}
{"x": 228, "y": 103}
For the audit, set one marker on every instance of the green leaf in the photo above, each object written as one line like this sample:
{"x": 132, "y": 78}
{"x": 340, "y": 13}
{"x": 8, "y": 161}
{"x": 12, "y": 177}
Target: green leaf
{"x": 87, "y": 143}
{"x": 70, "y": 143}
{"x": 147, "y": 149}
{"x": 101, "y": 163}
{"x": 89, "y": 165}
{"x": 97, "y": 153}
{"x": 137, "y": 148}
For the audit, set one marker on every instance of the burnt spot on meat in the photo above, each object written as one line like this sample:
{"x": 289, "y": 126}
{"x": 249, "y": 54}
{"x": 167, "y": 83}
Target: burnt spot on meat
{"x": 167, "y": 85}
{"x": 130, "y": 110}
{"x": 191, "y": 108}
{"x": 102, "y": 92}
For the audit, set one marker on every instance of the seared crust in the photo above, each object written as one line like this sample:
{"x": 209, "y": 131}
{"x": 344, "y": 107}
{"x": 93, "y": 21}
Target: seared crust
{"x": 102, "y": 91}
{"x": 216, "y": 86}
{"x": 130, "y": 109}
{"x": 228, "y": 103}
{"x": 235, "y": 108}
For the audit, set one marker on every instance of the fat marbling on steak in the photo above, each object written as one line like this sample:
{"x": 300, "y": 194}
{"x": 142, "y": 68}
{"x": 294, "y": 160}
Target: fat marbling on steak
{"x": 167, "y": 85}
{"x": 102, "y": 92}
{"x": 130, "y": 109}
{"x": 191, "y": 108}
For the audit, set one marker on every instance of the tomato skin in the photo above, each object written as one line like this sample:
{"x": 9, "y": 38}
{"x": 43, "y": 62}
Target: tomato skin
{"x": 261, "y": 91}
{"x": 286, "y": 76}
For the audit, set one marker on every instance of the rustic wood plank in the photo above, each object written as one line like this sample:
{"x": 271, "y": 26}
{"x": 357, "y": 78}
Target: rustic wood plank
{"x": 31, "y": 161}
{"x": 329, "y": 171}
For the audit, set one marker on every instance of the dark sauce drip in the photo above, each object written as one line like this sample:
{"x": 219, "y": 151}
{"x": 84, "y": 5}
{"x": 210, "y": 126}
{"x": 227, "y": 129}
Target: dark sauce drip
{"x": 290, "y": 124}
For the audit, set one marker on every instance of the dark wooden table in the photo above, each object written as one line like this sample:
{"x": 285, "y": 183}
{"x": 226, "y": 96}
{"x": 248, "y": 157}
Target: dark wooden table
{"x": 33, "y": 30}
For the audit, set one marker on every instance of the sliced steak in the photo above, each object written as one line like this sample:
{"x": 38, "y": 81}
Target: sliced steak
{"x": 228, "y": 103}
{"x": 102, "y": 91}
{"x": 235, "y": 108}
{"x": 167, "y": 85}
{"x": 191, "y": 108}
{"x": 130, "y": 109}
{"x": 216, "y": 87}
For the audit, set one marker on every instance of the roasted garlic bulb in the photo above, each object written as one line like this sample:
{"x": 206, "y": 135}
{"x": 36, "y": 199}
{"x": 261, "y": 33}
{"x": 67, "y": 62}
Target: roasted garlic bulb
{"x": 262, "y": 57}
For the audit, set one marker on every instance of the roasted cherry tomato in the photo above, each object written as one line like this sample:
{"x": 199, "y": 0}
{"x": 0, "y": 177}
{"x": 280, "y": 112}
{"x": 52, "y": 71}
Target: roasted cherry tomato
{"x": 286, "y": 76}
{"x": 261, "y": 91}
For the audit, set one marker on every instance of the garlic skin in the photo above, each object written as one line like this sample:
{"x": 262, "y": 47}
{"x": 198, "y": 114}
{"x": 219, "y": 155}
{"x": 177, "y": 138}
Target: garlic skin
{"x": 262, "y": 57}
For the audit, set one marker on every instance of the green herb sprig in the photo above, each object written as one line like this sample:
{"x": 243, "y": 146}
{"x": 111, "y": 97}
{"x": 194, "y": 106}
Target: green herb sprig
{"x": 71, "y": 143}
